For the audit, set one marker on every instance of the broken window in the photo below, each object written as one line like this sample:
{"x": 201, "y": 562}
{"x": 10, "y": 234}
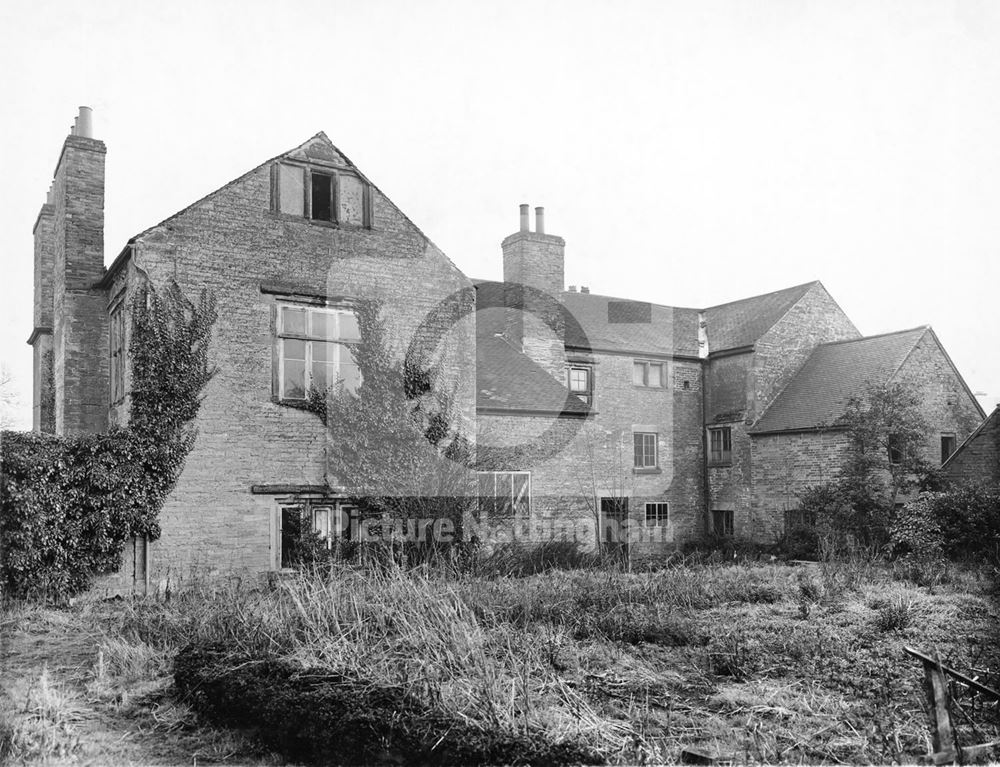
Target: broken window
{"x": 504, "y": 494}
{"x": 314, "y": 351}
{"x": 321, "y": 195}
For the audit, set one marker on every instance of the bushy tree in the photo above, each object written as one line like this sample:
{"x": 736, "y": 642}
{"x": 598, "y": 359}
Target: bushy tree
{"x": 887, "y": 435}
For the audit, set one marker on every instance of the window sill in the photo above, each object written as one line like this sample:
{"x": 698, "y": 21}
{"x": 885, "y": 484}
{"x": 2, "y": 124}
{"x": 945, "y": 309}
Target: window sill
{"x": 647, "y": 470}
{"x": 318, "y": 222}
{"x": 720, "y": 464}
{"x": 649, "y": 388}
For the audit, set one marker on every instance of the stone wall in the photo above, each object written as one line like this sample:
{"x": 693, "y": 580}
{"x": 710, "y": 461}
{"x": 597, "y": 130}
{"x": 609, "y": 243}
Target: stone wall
{"x": 233, "y": 244}
{"x": 978, "y": 460}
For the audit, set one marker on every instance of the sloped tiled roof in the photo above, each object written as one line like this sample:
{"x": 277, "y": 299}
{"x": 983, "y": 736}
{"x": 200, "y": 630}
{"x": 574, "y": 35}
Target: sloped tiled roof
{"x": 834, "y": 373}
{"x": 741, "y": 323}
{"x": 614, "y": 324}
{"x": 507, "y": 379}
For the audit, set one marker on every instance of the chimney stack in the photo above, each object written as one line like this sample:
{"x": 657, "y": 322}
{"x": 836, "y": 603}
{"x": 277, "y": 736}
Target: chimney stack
{"x": 534, "y": 277}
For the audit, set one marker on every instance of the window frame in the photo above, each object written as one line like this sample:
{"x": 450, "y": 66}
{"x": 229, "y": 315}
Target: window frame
{"x": 894, "y": 451}
{"x": 953, "y": 441}
{"x": 336, "y": 175}
{"x": 646, "y": 364}
{"x": 725, "y": 456}
{"x": 280, "y": 336}
{"x": 117, "y": 330}
{"x": 586, "y": 394}
{"x": 657, "y": 519}
{"x": 728, "y": 522}
{"x": 492, "y": 508}
{"x": 636, "y": 435}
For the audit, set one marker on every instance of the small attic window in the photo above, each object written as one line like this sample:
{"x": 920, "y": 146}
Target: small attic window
{"x": 330, "y": 195}
{"x": 322, "y": 197}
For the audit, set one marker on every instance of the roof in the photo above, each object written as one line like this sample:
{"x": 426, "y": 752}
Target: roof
{"x": 619, "y": 325}
{"x": 741, "y": 323}
{"x": 834, "y": 373}
{"x": 992, "y": 422}
{"x": 507, "y": 379}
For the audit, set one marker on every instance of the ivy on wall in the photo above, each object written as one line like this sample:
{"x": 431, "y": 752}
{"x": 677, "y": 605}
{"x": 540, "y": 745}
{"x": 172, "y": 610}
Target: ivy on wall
{"x": 68, "y": 505}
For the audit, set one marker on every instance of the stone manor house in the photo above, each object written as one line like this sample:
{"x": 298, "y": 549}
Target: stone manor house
{"x": 606, "y": 414}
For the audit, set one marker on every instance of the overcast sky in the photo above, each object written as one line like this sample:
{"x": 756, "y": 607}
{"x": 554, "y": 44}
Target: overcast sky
{"x": 690, "y": 153}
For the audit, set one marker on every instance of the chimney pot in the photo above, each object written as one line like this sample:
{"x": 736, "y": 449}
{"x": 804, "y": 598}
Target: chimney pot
{"x": 85, "y": 122}
{"x": 584, "y": 289}
{"x": 572, "y": 288}
{"x": 524, "y": 217}
{"x": 540, "y": 220}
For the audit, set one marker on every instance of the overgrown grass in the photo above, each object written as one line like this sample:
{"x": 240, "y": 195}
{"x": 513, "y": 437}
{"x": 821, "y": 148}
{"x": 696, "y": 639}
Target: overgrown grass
{"x": 764, "y": 662}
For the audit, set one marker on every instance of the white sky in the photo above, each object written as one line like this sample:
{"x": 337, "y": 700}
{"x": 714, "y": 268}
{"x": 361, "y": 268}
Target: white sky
{"x": 690, "y": 153}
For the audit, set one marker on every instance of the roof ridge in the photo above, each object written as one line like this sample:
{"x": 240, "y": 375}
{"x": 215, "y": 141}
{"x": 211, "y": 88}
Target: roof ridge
{"x": 874, "y": 336}
{"x": 761, "y": 295}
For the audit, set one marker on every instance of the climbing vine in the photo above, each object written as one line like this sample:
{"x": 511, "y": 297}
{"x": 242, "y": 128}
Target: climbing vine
{"x": 68, "y": 505}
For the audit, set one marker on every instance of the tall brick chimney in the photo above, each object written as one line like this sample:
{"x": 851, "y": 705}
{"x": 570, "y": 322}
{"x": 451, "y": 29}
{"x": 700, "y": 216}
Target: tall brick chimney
{"x": 69, "y": 243}
{"x": 534, "y": 274}
{"x": 41, "y": 334}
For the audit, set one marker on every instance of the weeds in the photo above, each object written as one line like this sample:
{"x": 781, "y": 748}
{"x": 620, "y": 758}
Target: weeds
{"x": 895, "y": 615}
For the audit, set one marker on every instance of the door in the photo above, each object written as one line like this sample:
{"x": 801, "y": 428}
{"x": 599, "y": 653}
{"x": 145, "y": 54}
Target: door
{"x": 614, "y": 526}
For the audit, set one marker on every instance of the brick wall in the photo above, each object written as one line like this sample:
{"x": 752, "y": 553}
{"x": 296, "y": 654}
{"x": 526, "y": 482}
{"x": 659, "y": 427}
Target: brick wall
{"x": 778, "y": 354}
{"x": 979, "y": 459}
{"x": 598, "y": 461}
{"x": 44, "y": 233}
{"x": 783, "y": 467}
{"x": 80, "y": 349}
{"x": 231, "y": 243}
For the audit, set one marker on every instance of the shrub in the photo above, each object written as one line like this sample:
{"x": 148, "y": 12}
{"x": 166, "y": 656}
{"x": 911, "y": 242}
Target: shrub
{"x": 962, "y": 524}
{"x": 735, "y": 654}
{"x": 69, "y": 504}
{"x": 895, "y": 615}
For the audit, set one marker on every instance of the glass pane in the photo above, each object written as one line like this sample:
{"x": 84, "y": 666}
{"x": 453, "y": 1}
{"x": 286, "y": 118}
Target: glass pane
{"x": 639, "y": 374}
{"x": 522, "y": 500}
{"x": 323, "y": 352}
{"x": 293, "y": 321}
{"x": 487, "y": 501}
{"x": 349, "y": 373}
{"x": 352, "y": 201}
{"x": 294, "y": 384}
{"x": 650, "y": 442}
{"x": 349, "y": 327}
{"x": 505, "y": 494}
{"x": 293, "y": 349}
{"x": 324, "y": 374}
{"x": 655, "y": 375}
{"x": 324, "y": 324}
{"x": 321, "y": 521}
{"x": 637, "y": 438}
{"x": 321, "y": 196}
{"x": 291, "y": 190}
{"x": 578, "y": 379}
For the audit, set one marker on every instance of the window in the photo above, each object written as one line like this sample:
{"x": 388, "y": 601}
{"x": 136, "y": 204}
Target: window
{"x": 117, "y": 338}
{"x": 722, "y": 521}
{"x": 579, "y": 380}
{"x": 504, "y": 494}
{"x": 321, "y": 195}
{"x": 333, "y": 522}
{"x": 614, "y": 521}
{"x": 645, "y": 450}
{"x": 720, "y": 445}
{"x": 799, "y": 518}
{"x": 657, "y": 514}
{"x": 895, "y": 449}
{"x": 649, "y": 374}
{"x": 948, "y": 446}
{"x": 314, "y": 350}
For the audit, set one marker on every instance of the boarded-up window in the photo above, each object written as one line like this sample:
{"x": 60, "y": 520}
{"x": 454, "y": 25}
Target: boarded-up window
{"x": 292, "y": 190}
{"x": 117, "y": 339}
{"x": 352, "y": 201}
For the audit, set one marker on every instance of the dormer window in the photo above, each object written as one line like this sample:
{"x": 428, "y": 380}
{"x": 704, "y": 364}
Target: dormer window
{"x": 321, "y": 194}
